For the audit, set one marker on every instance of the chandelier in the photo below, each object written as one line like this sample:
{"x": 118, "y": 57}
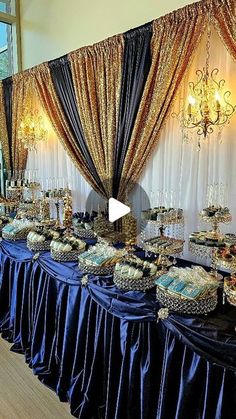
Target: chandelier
{"x": 208, "y": 105}
{"x": 32, "y": 130}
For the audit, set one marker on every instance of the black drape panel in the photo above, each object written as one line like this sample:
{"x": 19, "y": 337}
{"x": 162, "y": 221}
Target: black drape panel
{"x": 7, "y": 96}
{"x": 63, "y": 84}
{"x": 136, "y": 66}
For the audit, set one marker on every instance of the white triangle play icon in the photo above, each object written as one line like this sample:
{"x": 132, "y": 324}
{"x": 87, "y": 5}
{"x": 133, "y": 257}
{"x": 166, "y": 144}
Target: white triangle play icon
{"x": 116, "y": 209}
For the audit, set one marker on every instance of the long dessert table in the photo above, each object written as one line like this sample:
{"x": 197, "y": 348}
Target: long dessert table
{"x": 106, "y": 351}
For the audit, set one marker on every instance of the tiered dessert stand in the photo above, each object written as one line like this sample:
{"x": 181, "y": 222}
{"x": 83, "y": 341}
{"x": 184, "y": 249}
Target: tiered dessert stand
{"x": 212, "y": 240}
{"x": 153, "y": 239}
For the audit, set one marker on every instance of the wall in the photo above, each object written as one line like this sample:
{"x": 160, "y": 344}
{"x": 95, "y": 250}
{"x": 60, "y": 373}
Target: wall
{"x": 51, "y": 28}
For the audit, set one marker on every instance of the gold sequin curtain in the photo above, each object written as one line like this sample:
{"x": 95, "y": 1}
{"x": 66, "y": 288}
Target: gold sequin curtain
{"x": 175, "y": 37}
{"x": 53, "y": 108}
{"x": 22, "y": 91}
{"x": 223, "y": 17}
{"x": 97, "y": 73}
{"x": 3, "y": 131}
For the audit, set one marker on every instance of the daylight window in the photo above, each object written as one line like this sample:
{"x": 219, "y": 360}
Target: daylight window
{"x": 9, "y": 38}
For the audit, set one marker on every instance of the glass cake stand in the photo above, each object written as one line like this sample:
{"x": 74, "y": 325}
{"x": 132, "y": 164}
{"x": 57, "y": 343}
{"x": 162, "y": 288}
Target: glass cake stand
{"x": 156, "y": 228}
{"x": 202, "y": 251}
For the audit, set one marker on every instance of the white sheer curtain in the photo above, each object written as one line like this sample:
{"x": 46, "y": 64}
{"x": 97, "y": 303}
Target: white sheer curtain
{"x": 175, "y": 166}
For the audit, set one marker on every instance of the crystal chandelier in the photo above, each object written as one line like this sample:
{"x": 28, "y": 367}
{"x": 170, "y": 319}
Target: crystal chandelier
{"x": 208, "y": 105}
{"x": 32, "y": 130}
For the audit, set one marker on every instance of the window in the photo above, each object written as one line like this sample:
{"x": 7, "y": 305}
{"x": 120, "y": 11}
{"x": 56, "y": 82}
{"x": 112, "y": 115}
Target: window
{"x": 9, "y": 38}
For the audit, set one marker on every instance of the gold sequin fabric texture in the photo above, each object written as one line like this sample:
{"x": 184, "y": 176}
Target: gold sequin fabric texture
{"x": 3, "y": 130}
{"x": 97, "y": 72}
{"x": 52, "y": 106}
{"x": 21, "y": 95}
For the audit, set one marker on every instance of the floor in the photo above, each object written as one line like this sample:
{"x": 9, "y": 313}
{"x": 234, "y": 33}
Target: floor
{"x": 22, "y": 396}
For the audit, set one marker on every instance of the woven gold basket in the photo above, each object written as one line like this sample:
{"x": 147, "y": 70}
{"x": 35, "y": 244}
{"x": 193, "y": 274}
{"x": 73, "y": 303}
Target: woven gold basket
{"x": 22, "y": 235}
{"x": 185, "y": 305}
{"x": 84, "y": 234}
{"x": 132, "y": 284}
{"x": 38, "y": 246}
{"x": 60, "y": 256}
{"x": 96, "y": 270}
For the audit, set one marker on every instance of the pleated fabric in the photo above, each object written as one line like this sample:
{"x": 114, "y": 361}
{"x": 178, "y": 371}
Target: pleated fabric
{"x": 136, "y": 66}
{"x": 108, "y": 357}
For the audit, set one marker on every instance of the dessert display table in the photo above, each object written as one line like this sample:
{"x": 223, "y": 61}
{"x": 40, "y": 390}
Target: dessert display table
{"x": 111, "y": 353}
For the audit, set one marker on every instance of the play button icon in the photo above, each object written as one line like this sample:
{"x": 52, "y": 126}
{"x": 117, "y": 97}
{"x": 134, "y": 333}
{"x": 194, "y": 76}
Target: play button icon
{"x": 116, "y": 209}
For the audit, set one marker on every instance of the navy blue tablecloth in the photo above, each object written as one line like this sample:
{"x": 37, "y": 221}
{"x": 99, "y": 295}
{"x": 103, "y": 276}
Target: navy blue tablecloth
{"x": 102, "y": 349}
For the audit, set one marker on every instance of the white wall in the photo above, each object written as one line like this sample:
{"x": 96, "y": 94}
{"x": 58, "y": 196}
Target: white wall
{"x": 51, "y": 28}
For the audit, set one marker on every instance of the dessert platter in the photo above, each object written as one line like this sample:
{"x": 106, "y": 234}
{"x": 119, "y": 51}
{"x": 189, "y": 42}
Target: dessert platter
{"x": 226, "y": 257}
{"x": 40, "y": 237}
{"x": 163, "y": 215}
{"x": 201, "y": 243}
{"x": 153, "y": 238}
{"x": 83, "y": 224}
{"x": 187, "y": 290}
{"x": 163, "y": 245}
{"x": 216, "y": 214}
{"x": 210, "y": 243}
{"x": 100, "y": 259}
{"x": 133, "y": 273}
{"x": 66, "y": 248}
{"x": 230, "y": 289}
{"x": 17, "y": 229}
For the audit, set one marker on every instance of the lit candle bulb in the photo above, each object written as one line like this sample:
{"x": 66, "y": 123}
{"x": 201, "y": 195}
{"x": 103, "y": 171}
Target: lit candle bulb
{"x": 191, "y": 102}
{"x": 217, "y": 98}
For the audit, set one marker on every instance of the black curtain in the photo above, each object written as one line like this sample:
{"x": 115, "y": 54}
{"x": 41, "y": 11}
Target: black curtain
{"x": 136, "y": 66}
{"x": 63, "y": 83}
{"x": 7, "y": 97}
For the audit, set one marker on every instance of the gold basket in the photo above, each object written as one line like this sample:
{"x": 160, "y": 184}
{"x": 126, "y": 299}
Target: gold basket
{"x": 84, "y": 234}
{"x": 185, "y": 305}
{"x": 71, "y": 256}
{"x": 96, "y": 270}
{"x": 21, "y": 235}
{"x": 38, "y": 246}
{"x": 132, "y": 284}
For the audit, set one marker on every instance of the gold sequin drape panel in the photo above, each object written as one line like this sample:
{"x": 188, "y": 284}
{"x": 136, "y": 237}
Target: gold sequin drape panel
{"x": 3, "y": 131}
{"x": 52, "y": 106}
{"x": 224, "y": 20}
{"x": 174, "y": 40}
{"x": 21, "y": 93}
{"x": 97, "y": 73}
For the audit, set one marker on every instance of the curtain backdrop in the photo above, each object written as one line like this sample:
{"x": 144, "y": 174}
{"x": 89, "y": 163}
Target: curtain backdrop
{"x": 224, "y": 20}
{"x": 4, "y": 126}
{"x": 63, "y": 85}
{"x": 174, "y": 40}
{"x": 14, "y": 93}
{"x": 22, "y": 102}
{"x": 65, "y": 128}
{"x": 110, "y": 144}
{"x": 136, "y": 66}
{"x": 97, "y": 72}
{"x": 175, "y": 166}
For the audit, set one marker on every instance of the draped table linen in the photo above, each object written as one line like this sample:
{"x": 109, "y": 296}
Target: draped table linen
{"x": 102, "y": 349}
